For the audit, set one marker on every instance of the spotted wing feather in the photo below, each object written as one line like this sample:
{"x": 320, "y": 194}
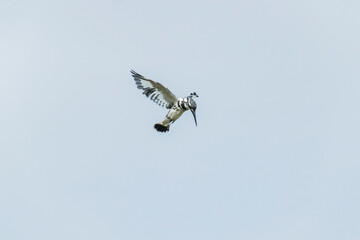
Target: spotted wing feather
{"x": 154, "y": 90}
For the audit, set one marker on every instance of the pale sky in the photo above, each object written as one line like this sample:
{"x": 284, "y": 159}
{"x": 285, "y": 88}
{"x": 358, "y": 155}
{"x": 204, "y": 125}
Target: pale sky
{"x": 276, "y": 154}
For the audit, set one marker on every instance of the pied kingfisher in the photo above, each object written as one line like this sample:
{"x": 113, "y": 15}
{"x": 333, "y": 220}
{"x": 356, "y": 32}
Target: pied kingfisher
{"x": 163, "y": 97}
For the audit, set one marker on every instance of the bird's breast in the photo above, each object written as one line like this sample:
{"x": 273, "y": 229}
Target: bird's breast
{"x": 183, "y": 104}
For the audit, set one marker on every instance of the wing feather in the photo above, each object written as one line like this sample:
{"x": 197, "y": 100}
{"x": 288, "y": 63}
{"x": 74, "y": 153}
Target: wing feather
{"x": 157, "y": 92}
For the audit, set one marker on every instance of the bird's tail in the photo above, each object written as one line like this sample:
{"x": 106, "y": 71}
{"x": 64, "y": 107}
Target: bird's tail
{"x": 162, "y": 128}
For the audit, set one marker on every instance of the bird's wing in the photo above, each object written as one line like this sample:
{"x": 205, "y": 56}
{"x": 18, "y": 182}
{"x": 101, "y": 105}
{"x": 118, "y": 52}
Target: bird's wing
{"x": 156, "y": 91}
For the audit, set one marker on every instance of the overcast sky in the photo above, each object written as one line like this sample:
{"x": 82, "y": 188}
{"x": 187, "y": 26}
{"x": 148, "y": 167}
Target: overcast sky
{"x": 276, "y": 154}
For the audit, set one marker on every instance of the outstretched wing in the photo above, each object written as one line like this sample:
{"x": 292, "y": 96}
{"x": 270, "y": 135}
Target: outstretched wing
{"x": 156, "y": 91}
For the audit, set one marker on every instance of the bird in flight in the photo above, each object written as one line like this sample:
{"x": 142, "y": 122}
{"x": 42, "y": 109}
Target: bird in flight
{"x": 163, "y": 97}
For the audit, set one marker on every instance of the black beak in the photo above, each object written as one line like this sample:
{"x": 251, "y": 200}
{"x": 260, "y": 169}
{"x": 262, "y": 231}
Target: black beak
{"x": 193, "y": 112}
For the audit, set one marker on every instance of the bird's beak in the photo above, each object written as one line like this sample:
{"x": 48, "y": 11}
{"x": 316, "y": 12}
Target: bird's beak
{"x": 193, "y": 112}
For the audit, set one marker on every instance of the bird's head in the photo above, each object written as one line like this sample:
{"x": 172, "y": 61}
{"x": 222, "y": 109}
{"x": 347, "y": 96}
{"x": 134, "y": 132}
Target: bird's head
{"x": 192, "y": 105}
{"x": 193, "y": 94}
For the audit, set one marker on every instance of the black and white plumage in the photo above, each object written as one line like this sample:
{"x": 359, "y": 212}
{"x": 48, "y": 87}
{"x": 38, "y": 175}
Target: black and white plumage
{"x": 165, "y": 98}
